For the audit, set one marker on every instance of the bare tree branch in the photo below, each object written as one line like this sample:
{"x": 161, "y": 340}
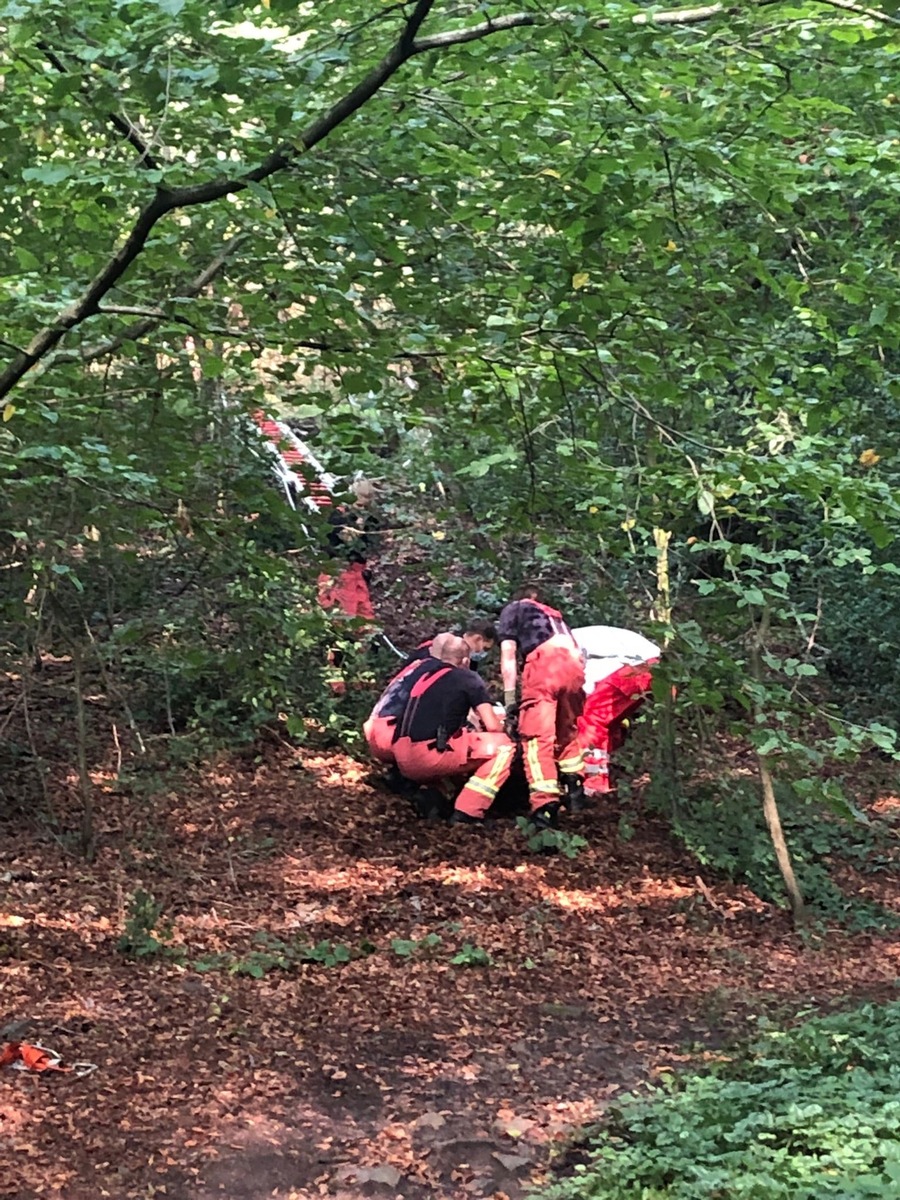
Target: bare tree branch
{"x": 89, "y": 303}
{"x": 166, "y": 200}
{"x": 685, "y": 16}
{"x": 133, "y": 310}
{"x": 400, "y": 53}
{"x": 874, "y": 14}
{"x": 151, "y": 317}
{"x": 457, "y": 37}
{"x": 676, "y": 16}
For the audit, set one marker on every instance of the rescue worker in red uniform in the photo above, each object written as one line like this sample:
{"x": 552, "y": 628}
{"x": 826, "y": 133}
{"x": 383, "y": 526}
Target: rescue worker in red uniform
{"x": 350, "y": 538}
{"x": 349, "y": 541}
{"x": 432, "y": 739}
{"x": 381, "y": 723}
{"x": 550, "y": 704}
{"x": 618, "y": 678}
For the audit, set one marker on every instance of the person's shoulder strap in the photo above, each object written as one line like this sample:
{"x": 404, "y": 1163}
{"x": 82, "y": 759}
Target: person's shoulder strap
{"x": 426, "y": 680}
{"x": 557, "y": 622}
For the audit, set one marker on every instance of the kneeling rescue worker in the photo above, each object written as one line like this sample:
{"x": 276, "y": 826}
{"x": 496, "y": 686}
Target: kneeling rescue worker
{"x": 618, "y": 678}
{"x": 552, "y": 698}
{"x": 381, "y": 723}
{"x": 432, "y": 741}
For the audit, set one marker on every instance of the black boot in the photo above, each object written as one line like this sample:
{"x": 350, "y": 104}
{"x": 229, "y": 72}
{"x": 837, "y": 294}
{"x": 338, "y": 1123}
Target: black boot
{"x": 574, "y": 800}
{"x": 464, "y": 818}
{"x": 397, "y": 783}
{"x": 546, "y": 817}
{"x": 432, "y": 805}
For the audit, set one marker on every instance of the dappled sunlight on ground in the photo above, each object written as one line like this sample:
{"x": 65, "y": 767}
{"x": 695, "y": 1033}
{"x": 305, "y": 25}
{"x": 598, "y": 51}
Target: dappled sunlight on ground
{"x": 485, "y": 1001}
{"x": 580, "y": 901}
{"x": 887, "y": 806}
{"x": 360, "y": 876}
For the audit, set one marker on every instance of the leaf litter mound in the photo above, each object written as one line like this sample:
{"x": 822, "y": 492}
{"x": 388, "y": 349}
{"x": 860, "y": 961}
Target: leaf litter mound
{"x": 301, "y": 1027}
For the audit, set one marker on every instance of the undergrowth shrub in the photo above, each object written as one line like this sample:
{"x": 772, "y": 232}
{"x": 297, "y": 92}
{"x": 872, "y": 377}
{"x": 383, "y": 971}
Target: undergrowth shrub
{"x": 724, "y": 828}
{"x": 230, "y": 652}
{"x": 145, "y": 932}
{"x": 811, "y": 1113}
{"x": 861, "y": 631}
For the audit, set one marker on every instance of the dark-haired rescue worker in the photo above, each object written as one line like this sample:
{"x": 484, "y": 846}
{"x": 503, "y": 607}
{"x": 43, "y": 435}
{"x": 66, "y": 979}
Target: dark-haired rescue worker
{"x": 432, "y": 741}
{"x": 479, "y": 634}
{"x": 551, "y": 700}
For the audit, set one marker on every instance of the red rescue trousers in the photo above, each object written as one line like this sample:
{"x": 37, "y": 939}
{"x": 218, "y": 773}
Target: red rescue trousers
{"x": 349, "y": 591}
{"x": 552, "y": 699}
{"x": 485, "y": 757}
{"x": 613, "y": 699}
{"x": 601, "y": 726}
{"x": 379, "y": 733}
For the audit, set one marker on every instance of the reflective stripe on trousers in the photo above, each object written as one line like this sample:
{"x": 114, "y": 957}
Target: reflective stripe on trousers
{"x": 552, "y": 699}
{"x": 485, "y": 757}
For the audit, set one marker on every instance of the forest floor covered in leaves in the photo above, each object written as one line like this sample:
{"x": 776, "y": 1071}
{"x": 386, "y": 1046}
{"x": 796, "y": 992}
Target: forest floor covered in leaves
{"x": 397, "y": 1073}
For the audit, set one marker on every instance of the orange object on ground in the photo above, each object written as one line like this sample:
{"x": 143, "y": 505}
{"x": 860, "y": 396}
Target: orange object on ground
{"x": 349, "y": 591}
{"x": 552, "y": 700}
{"x": 32, "y": 1058}
{"x": 485, "y": 757}
{"x": 10, "y": 1053}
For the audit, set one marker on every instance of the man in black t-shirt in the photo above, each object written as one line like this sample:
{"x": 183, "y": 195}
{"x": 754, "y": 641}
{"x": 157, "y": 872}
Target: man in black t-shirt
{"x": 381, "y": 723}
{"x": 432, "y": 740}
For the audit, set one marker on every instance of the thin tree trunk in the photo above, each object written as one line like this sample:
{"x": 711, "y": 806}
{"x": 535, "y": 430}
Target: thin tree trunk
{"x": 782, "y": 854}
{"x": 666, "y": 754}
{"x": 84, "y": 780}
{"x": 767, "y": 785}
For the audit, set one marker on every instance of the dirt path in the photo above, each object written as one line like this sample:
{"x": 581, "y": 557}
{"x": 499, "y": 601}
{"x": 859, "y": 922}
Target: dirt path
{"x": 396, "y": 1074}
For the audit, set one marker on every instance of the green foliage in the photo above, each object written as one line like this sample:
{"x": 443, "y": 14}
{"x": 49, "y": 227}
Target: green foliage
{"x": 414, "y": 947}
{"x": 145, "y": 934}
{"x": 551, "y": 841}
{"x": 187, "y": 664}
{"x": 861, "y": 633}
{"x": 471, "y": 956}
{"x": 271, "y": 954}
{"x": 724, "y": 828}
{"x": 806, "y": 1114}
{"x": 571, "y": 283}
